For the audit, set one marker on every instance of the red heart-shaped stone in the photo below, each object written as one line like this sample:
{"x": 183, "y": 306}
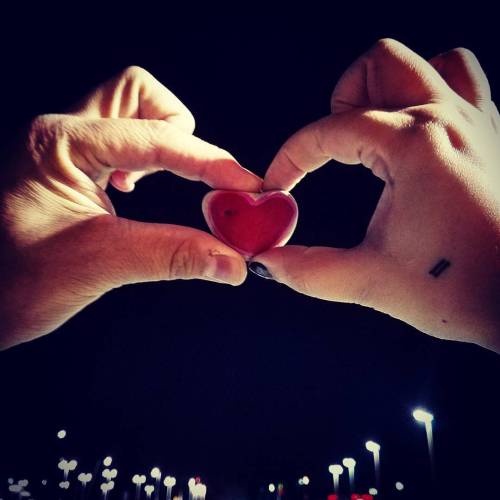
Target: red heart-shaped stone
{"x": 251, "y": 222}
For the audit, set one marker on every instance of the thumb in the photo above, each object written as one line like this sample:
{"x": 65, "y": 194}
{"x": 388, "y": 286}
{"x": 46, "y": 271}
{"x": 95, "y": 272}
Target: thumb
{"x": 343, "y": 275}
{"x": 138, "y": 252}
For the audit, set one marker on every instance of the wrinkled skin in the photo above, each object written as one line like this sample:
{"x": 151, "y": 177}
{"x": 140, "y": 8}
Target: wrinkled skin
{"x": 61, "y": 244}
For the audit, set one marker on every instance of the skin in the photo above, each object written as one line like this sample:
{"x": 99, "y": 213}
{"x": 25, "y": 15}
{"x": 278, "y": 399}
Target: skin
{"x": 430, "y": 130}
{"x": 62, "y": 245}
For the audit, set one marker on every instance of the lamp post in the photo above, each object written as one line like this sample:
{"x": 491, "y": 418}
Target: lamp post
{"x": 350, "y": 464}
{"x": 426, "y": 418}
{"x": 335, "y": 470}
{"x": 374, "y": 448}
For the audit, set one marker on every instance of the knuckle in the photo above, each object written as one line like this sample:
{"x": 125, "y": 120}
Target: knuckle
{"x": 44, "y": 133}
{"x": 134, "y": 73}
{"x": 190, "y": 121}
{"x": 386, "y": 47}
{"x": 463, "y": 55}
{"x": 186, "y": 260}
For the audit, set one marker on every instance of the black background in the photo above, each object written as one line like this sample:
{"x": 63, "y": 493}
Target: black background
{"x": 255, "y": 384}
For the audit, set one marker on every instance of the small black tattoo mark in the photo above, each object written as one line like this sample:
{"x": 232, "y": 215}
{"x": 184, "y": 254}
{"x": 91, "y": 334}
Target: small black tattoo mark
{"x": 440, "y": 267}
{"x": 444, "y": 321}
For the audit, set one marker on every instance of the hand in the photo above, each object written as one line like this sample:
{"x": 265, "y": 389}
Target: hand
{"x": 61, "y": 244}
{"x": 431, "y": 255}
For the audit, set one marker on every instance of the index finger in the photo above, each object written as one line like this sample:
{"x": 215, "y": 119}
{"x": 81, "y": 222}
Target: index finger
{"x": 99, "y": 147}
{"x": 360, "y": 136}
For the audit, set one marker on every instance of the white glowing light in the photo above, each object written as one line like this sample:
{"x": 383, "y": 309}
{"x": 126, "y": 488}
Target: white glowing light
{"x": 109, "y": 474}
{"x": 138, "y": 479}
{"x": 372, "y": 446}
{"x": 301, "y": 481}
{"x": 199, "y": 490}
{"x": 271, "y": 488}
{"x": 191, "y": 483}
{"x": 305, "y": 480}
{"x": 423, "y": 416}
{"x": 349, "y": 463}
{"x": 336, "y": 469}
{"x": 400, "y": 486}
{"x": 23, "y": 483}
{"x": 169, "y": 481}
{"x": 44, "y": 482}
{"x": 107, "y": 461}
{"x": 155, "y": 473}
{"x": 373, "y": 491}
{"x": 149, "y": 488}
{"x": 61, "y": 434}
{"x": 84, "y": 478}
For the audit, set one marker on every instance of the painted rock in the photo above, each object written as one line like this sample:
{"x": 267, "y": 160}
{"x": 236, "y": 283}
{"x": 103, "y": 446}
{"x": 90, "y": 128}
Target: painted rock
{"x": 251, "y": 223}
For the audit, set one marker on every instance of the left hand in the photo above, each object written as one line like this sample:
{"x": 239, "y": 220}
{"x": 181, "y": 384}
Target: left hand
{"x": 62, "y": 245}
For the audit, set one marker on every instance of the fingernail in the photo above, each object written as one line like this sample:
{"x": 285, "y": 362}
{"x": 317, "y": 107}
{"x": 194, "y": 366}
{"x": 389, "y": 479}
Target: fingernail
{"x": 260, "y": 270}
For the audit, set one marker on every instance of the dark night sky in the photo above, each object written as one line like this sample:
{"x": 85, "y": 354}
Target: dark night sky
{"x": 254, "y": 384}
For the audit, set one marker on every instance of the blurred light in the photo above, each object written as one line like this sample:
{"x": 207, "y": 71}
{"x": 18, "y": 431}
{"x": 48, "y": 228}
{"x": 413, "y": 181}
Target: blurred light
{"x": 301, "y": 482}
{"x": 271, "y": 488}
{"x": 191, "y": 483}
{"x": 423, "y": 416}
{"x": 305, "y": 480}
{"x": 107, "y": 461}
{"x": 372, "y": 446}
{"x": 350, "y": 463}
{"x": 155, "y": 473}
{"x": 61, "y": 434}
{"x": 400, "y": 486}
{"x": 336, "y": 469}
{"x": 373, "y": 491}
{"x": 169, "y": 481}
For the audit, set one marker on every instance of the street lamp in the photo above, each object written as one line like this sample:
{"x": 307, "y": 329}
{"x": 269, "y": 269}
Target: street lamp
{"x": 374, "y": 448}
{"x": 335, "y": 470}
{"x": 349, "y": 464}
{"x": 426, "y": 418}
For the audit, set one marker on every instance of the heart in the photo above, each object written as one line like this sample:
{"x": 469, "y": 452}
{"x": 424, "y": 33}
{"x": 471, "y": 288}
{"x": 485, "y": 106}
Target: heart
{"x": 169, "y": 481}
{"x": 138, "y": 479}
{"x": 251, "y": 223}
{"x": 85, "y": 478}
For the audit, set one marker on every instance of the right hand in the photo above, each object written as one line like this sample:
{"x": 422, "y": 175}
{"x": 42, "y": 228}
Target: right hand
{"x": 432, "y": 133}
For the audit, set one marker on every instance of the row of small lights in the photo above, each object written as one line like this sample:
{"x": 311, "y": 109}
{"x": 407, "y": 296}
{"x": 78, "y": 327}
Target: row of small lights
{"x": 336, "y": 470}
{"x": 198, "y": 490}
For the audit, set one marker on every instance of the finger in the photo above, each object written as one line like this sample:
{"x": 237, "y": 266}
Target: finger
{"x": 389, "y": 75}
{"x": 135, "y": 93}
{"x": 130, "y": 252}
{"x": 125, "y": 181}
{"x": 360, "y": 136}
{"x": 463, "y": 73}
{"x": 333, "y": 274}
{"x": 98, "y": 147}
